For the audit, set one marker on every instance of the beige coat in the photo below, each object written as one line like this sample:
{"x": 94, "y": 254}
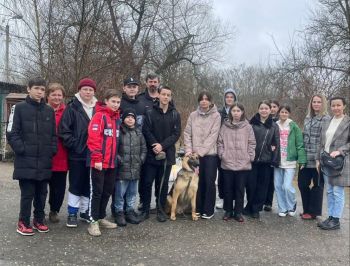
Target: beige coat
{"x": 236, "y": 146}
{"x": 201, "y": 132}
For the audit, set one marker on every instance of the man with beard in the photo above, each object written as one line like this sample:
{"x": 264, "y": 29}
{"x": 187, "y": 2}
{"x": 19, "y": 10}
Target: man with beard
{"x": 150, "y": 95}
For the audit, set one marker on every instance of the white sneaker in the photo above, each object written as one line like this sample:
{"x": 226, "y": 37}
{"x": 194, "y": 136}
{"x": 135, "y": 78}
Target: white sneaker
{"x": 220, "y": 204}
{"x": 292, "y": 212}
{"x": 204, "y": 216}
{"x": 282, "y": 214}
{"x": 94, "y": 229}
{"x": 107, "y": 224}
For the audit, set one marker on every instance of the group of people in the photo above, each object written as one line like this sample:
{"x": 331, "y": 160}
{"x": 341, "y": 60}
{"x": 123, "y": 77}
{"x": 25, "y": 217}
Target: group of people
{"x": 123, "y": 144}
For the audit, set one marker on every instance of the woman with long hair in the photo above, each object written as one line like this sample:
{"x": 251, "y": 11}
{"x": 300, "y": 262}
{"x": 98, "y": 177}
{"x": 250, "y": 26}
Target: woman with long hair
{"x": 312, "y": 196}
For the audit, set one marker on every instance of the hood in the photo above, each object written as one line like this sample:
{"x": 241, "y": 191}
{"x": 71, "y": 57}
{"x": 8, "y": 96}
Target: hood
{"x": 230, "y": 90}
{"x": 235, "y": 125}
{"x": 285, "y": 124}
{"x": 102, "y": 108}
{"x": 256, "y": 121}
{"x": 93, "y": 101}
{"x": 212, "y": 109}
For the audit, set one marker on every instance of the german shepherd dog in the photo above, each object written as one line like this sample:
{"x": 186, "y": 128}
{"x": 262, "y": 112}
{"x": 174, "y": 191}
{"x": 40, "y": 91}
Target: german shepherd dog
{"x": 182, "y": 196}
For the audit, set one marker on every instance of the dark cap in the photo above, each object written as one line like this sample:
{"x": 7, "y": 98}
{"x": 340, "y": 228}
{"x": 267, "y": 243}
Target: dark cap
{"x": 127, "y": 112}
{"x": 130, "y": 80}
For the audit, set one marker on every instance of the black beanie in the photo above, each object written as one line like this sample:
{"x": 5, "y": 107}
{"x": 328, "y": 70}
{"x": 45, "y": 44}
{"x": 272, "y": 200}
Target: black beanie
{"x": 127, "y": 112}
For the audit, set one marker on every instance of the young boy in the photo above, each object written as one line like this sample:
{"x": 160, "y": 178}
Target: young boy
{"x": 132, "y": 153}
{"x": 31, "y": 134}
{"x": 73, "y": 132}
{"x": 102, "y": 142}
{"x": 162, "y": 128}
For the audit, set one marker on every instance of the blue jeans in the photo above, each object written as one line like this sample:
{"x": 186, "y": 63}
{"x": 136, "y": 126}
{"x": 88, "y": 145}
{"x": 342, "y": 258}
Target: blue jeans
{"x": 335, "y": 199}
{"x": 285, "y": 191}
{"x": 127, "y": 188}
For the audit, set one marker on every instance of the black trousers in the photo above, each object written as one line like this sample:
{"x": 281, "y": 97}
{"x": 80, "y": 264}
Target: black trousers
{"x": 270, "y": 190}
{"x": 257, "y": 186}
{"x": 32, "y": 192}
{"x": 220, "y": 181}
{"x": 311, "y": 197}
{"x": 206, "y": 194}
{"x": 57, "y": 188}
{"x": 79, "y": 182}
{"x": 155, "y": 173}
{"x": 141, "y": 183}
{"x": 234, "y": 189}
{"x": 102, "y": 187}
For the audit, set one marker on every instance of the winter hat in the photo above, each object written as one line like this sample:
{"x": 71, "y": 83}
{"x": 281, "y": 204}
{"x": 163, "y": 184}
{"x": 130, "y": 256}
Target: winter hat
{"x": 87, "y": 82}
{"x": 127, "y": 112}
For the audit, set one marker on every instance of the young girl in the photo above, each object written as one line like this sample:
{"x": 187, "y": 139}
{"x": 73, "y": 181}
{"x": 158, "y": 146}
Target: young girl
{"x": 236, "y": 149}
{"x": 200, "y": 136}
{"x": 266, "y": 154}
{"x": 103, "y": 134}
{"x": 292, "y": 152}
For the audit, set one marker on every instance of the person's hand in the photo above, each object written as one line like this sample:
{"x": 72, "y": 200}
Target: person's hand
{"x": 302, "y": 167}
{"x": 334, "y": 154}
{"x": 318, "y": 166}
{"x": 98, "y": 166}
{"x": 157, "y": 148}
{"x": 188, "y": 154}
{"x": 273, "y": 148}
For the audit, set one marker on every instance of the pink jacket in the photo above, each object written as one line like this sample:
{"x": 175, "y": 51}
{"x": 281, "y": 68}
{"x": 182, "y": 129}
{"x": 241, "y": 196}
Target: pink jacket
{"x": 201, "y": 132}
{"x": 236, "y": 146}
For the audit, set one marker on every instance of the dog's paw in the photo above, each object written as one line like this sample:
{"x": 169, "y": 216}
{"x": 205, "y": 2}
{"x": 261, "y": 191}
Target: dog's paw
{"x": 194, "y": 217}
{"x": 173, "y": 217}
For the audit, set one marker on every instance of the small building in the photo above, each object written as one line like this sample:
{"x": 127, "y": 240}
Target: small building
{"x": 10, "y": 94}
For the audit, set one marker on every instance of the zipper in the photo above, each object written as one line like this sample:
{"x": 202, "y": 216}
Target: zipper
{"x": 262, "y": 147}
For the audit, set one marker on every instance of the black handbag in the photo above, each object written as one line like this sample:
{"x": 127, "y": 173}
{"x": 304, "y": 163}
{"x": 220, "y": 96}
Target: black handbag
{"x": 330, "y": 166}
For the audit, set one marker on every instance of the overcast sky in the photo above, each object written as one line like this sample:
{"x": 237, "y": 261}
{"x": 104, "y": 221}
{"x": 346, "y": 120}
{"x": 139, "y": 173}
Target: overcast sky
{"x": 255, "y": 21}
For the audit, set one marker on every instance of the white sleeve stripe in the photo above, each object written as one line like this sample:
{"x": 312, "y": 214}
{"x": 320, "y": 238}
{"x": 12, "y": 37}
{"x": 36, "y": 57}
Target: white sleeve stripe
{"x": 9, "y": 127}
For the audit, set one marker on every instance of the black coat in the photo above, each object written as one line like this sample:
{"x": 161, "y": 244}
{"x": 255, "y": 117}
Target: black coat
{"x": 132, "y": 153}
{"x": 135, "y": 104}
{"x": 163, "y": 128}
{"x": 266, "y": 135}
{"x": 146, "y": 100}
{"x": 73, "y": 129}
{"x": 31, "y": 134}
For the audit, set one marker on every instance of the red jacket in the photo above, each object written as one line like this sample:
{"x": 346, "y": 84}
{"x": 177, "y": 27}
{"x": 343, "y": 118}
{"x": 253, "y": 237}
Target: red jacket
{"x": 103, "y": 134}
{"x": 60, "y": 160}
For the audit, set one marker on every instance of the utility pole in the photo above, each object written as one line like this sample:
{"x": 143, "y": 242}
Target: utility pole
{"x": 7, "y": 51}
{"x": 7, "y": 55}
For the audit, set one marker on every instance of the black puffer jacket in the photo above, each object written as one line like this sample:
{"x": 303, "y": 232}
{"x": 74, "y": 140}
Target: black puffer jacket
{"x": 266, "y": 135}
{"x": 31, "y": 134}
{"x": 146, "y": 100}
{"x": 135, "y": 104}
{"x": 132, "y": 152}
{"x": 73, "y": 129}
{"x": 163, "y": 128}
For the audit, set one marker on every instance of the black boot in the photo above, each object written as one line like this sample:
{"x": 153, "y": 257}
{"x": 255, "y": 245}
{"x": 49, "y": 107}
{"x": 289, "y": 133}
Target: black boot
{"x": 144, "y": 215}
{"x": 161, "y": 217}
{"x": 333, "y": 224}
{"x": 132, "y": 218}
{"x": 120, "y": 219}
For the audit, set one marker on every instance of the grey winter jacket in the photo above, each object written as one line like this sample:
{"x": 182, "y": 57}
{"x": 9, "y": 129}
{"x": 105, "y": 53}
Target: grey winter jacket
{"x": 132, "y": 153}
{"x": 236, "y": 146}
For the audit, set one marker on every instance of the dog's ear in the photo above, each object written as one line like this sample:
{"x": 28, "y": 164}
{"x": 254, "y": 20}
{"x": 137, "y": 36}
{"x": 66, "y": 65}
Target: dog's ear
{"x": 185, "y": 165}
